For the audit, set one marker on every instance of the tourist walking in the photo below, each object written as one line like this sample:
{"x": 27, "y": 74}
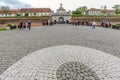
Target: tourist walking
{"x": 20, "y": 25}
{"x": 29, "y": 25}
{"x": 93, "y": 25}
{"x": 24, "y": 25}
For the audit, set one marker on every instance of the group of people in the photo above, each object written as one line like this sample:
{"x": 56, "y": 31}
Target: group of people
{"x": 50, "y": 23}
{"x": 47, "y": 23}
{"x": 24, "y": 25}
{"x": 106, "y": 24}
{"x": 86, "y": 23}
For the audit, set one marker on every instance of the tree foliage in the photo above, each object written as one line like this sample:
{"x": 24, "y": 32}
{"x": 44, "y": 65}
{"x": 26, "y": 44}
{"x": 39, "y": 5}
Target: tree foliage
{"x": 26, "y": 14}
{"x": 76, "y": 12}
{"x": 18, "y": 15}
{"x": 5, "y": 9}
{"x": 117, "y": 8}
{"x": 80, "y": 10}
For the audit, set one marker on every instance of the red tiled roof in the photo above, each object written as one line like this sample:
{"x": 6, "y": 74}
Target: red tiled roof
{"x": 108, "y": 10}
{"x": 36, "y": 10}
{"x": 94, "y": 9}
{"x": 14, "y": 11}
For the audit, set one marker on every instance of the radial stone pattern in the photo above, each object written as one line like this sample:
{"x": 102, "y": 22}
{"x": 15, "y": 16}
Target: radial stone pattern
{"x": 67, "y": 62}
{"x": 75, "y": 71}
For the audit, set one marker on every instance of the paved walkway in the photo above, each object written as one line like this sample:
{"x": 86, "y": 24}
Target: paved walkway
{"x": 16, "y": 44}
{"x": 66, "y": 63}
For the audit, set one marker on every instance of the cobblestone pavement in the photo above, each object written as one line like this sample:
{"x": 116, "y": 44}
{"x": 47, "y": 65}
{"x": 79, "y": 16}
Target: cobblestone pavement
{"x": 16, "y": 44}
{"x": 66, "y": 63}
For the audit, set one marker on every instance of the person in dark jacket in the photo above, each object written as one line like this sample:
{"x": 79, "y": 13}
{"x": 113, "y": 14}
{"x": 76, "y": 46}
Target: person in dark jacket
{"x": 24, "y": 25}
{"x": 29, "y": 25}
{"x": 20, "y": 24}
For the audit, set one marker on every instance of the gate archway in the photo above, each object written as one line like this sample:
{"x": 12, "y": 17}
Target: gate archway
{"x": 61, "y": 20}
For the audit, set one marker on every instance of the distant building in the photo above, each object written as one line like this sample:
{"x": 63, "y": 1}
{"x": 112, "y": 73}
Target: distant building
{"x": 94, "y": 11}
{"x": 36, "y": 11}
{"x": 109, "y": 12}
{"x": 29, "y": 11}
{"x": 61, "y": 15}
{"x": 4, "y": 13}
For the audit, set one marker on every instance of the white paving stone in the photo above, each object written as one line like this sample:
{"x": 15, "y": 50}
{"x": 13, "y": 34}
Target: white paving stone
{"x": 65, "y": 62}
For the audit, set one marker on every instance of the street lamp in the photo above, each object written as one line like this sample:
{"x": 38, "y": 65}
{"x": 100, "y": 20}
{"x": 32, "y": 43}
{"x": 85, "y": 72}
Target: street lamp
{"x": 105, "y": 15}
{"x": 20, "y": 14}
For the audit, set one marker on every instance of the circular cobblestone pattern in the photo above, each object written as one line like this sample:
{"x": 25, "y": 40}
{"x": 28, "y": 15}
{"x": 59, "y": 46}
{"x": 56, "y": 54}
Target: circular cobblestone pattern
{"x": 66, "y": 62}
{"x": 75, "y": 71}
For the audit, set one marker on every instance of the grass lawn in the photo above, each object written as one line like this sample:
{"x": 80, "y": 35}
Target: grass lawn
{"x": 3, "y": 29}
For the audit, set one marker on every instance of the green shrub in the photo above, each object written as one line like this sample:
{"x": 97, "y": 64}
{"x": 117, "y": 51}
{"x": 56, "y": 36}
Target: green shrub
{"x": 26, "y": 14}
{"x": 9, "y": 25}
{"x": 117, "y": 24}
{"x": 2, "y": 29}
{"x": 77, "y": 15}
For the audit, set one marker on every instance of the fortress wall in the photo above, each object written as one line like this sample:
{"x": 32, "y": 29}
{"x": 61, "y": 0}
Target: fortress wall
{"x": 97, "y": 19}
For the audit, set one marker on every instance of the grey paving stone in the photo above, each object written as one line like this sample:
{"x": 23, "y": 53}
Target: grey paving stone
{"x": 84, "y": 64}
{"x": 16, "y": 44}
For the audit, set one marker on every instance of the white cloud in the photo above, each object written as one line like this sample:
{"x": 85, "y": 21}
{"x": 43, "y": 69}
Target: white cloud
{"x": 14, "y": 3}
{"x": 69, "y": 4}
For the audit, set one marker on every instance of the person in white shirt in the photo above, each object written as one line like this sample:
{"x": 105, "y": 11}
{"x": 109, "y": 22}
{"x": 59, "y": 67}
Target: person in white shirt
{"x": 93, "y": 25}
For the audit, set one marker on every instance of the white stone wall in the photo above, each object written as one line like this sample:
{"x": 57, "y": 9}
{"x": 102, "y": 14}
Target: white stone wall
{"x": 4, "y": 15}
{"x": 13, "y": 14}
{"x": 111, "y": 13}
{"x": 98, "y": 12}
{"x": 0, "y": 15}
{"x": 39, "y": 14}
{"x": 94, "y": 12}
{"x": 23, "y": 14}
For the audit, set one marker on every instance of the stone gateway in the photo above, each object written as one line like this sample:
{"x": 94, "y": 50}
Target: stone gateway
{"x": 61, "y": 16}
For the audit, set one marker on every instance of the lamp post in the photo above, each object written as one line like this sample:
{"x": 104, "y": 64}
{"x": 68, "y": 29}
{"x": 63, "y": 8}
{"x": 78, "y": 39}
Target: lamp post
{"x": 49, "y": 20}
{"x": 20, "y": 15}
{"x": 104, "y": 11}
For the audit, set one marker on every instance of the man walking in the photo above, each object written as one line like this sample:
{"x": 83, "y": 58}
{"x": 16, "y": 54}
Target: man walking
{"x": 93, "y": 25}
{"x": 20, "y": 25}
{"x": 29, "y": 24}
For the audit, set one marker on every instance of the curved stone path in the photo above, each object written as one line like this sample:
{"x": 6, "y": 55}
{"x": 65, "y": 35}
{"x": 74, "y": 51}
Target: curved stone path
{"x": 16, "y": 44}
{"x": 65, "y": 63}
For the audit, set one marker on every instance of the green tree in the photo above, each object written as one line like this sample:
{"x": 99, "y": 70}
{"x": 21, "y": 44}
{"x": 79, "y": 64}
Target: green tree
{"x": 117, "y": 9}
{"x": 76, "y": 12}
{"x": 34, "y": 14}
{"x": 5, "y": 9}
{"x": 18, "y": 15}
{"x": 82, "y": 10}
{"x": 26, "y": 14}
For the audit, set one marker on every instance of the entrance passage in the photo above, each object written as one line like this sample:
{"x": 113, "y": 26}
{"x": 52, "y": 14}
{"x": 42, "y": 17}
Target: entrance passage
{"x": 61, "y": 20}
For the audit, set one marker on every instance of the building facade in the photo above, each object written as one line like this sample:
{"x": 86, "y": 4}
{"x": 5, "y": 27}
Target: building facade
{"x": 94, "y": 11}
{"x": 5, "y": 13}
{"x": 36, "y": 11}
{"x": 61, "y": 15}
{"x": 28, "y": 11}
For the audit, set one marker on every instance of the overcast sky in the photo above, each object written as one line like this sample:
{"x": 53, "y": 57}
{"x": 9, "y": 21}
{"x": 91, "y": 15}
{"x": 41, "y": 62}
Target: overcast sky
{"x": 54, "y": 4}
